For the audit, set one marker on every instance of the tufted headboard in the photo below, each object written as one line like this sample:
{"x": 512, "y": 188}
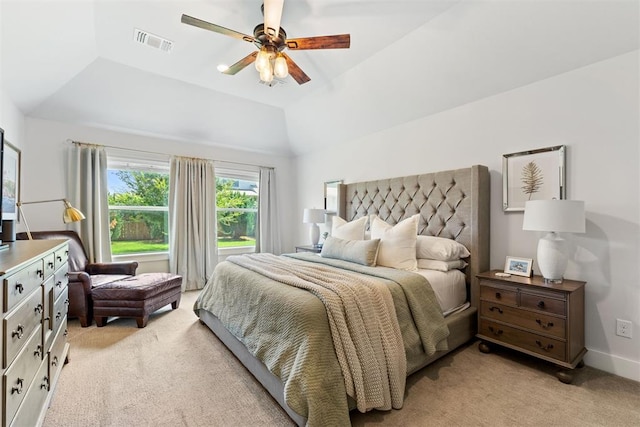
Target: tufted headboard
{"x": 452, "y": 204}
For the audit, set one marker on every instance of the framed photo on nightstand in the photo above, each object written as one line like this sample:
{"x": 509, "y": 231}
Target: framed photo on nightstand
{"x": 518, "y": 266}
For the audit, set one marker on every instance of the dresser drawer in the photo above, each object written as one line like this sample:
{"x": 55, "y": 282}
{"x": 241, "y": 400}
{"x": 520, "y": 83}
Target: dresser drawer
{"x": 20, "y": 323}
{"x": 18, "y": 376}
{"x": 19, "y": 285}
{"x": 548, "y": 347}
{"x": 57, "y": 351}
{"x": 60, "y": 308}
{"x": 500, "y": 295}
{"x": 61, "y": 257}
{"x": 31, "y": 411}
{"x": 49, "y": 264}
{"x": 548, "y": 304}
{"x": 536, "y": 322}
{"x": 61, "y": 279}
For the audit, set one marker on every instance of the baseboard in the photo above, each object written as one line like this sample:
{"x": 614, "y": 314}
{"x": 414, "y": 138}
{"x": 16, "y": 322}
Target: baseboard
{"x": 613, "y": 364}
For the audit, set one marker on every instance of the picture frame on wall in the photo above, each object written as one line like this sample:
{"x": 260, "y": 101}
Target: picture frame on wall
{"x": 533, "y": 175}
{"x": 518, "y": 266}
{"x": 10, "y": 181}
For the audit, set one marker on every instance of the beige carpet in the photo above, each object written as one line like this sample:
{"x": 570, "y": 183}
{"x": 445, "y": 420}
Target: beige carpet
{"x": 175, "y": 372}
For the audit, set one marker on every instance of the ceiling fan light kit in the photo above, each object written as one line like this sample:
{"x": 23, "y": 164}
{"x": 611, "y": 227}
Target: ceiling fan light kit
{"x": 271, "y": 40}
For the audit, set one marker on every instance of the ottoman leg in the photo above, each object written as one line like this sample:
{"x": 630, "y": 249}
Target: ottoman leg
{"x": 176, "y": 303}
{"x": 142, "y": 321}
{"x": 100, "y": 321}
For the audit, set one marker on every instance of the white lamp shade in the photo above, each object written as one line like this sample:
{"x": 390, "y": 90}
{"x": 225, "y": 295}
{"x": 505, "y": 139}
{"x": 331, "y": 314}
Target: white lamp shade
{"x": 313, "y": 216}
{"x": 565, "y": 216}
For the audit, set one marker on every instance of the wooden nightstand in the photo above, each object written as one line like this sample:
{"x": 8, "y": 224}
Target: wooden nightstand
{"x": 541, "y": 319}
{"x": 309, "y": 248}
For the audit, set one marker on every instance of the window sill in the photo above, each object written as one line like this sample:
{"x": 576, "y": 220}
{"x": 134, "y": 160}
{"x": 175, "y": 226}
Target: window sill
{"x": 143, "y": 257}
{"x": 239, "y": 250}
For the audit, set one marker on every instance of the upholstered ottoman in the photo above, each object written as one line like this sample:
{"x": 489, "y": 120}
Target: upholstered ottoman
{"x": 136, "y": 296}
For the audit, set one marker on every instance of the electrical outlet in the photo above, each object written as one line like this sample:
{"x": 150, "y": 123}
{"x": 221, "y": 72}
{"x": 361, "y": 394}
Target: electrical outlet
{"x": 623, "y": 328}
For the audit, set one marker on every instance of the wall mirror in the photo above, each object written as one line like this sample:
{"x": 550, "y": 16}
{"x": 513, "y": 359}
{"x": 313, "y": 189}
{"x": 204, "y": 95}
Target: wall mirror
{"x": 331, "y": 196}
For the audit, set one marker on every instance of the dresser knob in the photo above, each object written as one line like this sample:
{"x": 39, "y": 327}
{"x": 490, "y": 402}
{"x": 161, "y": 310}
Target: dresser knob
{"x": 38, "y": 309}
{"x": 498, "y": 296}
{"x": 19, "y": 288}
{"x": 45, "y": 383}
{"x": 540, "y": 304}
{"x": 19, "y": 331}
{"x": 18, "y": 388}
{"x": 498, "y": 309}
{"x": 54, "y": 362}
{"x": 496, "y": 331}
{"x": 547, "y": 348}
{"x": 547, "y": 326}
{"x": 38, "y": 351}
{"x": 59, "y": 284}
{"x": 58, "y": 315}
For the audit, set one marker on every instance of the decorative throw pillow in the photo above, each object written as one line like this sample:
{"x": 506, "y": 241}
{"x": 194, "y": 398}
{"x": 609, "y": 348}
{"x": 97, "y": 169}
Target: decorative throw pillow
{"x": 432, "y": 264}
{"x": 439, "y": 248}
{"x": 353, "y": 230}
{"x": 397, "y": 243}
{"x": 362, "y": 252}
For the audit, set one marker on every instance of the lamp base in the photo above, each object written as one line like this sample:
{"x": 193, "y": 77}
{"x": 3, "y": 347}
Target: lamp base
{"x": 552, "y": 257}
{"x": 314, "y": 234}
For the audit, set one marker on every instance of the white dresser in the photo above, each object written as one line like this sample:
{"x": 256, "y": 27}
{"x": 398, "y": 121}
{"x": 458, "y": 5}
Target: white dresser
{"x": 34, "y": 327}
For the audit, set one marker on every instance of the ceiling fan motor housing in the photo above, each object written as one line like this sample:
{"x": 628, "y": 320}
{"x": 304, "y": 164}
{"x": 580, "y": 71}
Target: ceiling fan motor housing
{"x": 263, "y": 39}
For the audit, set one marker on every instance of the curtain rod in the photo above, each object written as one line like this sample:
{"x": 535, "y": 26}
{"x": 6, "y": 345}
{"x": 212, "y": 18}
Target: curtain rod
{"x": 88, "y": 144}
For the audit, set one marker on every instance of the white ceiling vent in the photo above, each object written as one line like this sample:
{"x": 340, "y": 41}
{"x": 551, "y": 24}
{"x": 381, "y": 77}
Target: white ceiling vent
{"x": 146, "y": 38}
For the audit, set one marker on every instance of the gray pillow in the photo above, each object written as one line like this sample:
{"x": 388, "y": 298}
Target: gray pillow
{"x": 362, "y": 252}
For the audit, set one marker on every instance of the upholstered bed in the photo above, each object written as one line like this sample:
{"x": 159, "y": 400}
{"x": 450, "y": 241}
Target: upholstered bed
{"x": 285, "y": 330}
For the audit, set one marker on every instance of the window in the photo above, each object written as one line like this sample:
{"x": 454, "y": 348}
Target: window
{"x": 236, "y": 209}
{"x": 138, "y": 206}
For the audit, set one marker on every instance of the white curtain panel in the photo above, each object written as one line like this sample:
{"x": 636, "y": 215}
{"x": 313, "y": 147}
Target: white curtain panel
{"x": 193, "y": 242}
{"x": 268, "y": 233}
{"x": 88, "y": 191}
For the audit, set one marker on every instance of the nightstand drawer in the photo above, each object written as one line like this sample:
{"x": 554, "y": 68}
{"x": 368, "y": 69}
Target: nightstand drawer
{"x": 543, "y": 303}
{"x": 499, "y": 295}
{"x": 536, "y": 322}
{"x": 548, "y": 347}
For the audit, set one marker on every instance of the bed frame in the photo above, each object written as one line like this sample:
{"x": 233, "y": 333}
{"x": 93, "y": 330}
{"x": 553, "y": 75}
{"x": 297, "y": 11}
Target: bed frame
{"x": 452, "y": 204}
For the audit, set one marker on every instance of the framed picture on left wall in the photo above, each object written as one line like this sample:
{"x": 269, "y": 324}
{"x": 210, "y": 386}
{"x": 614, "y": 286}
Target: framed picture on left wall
{"x": 10, "y": 182}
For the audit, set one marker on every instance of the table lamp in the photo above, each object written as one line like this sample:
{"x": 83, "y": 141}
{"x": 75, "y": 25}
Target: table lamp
{"x": 553, "y": 216}
{"x": 70, "y": 214}
{"x": 313, "y": 217}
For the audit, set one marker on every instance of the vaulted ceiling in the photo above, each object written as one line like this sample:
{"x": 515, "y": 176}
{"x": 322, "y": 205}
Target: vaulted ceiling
{"x": 78, "y": 62}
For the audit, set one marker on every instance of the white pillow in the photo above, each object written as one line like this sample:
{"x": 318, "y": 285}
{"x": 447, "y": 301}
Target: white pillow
{"x": 439, "y": 248}
{"x": 397, "y": 243}
{"x": 432, "y": 264}
{"x": 353, "y": 230}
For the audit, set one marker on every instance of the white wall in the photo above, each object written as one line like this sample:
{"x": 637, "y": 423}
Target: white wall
{"x": 44, "y": 160}
{"x": 594, "y": 111}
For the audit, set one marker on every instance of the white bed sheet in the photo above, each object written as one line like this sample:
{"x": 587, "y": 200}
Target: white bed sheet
{"x": 450, "y": 289}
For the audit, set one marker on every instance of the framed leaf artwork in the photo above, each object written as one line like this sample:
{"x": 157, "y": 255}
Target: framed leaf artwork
{"x": 532, "y": 175}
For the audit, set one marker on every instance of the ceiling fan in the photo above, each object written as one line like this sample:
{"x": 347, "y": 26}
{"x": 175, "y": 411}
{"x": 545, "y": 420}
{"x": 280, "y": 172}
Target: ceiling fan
{"x": 271, "y": 40}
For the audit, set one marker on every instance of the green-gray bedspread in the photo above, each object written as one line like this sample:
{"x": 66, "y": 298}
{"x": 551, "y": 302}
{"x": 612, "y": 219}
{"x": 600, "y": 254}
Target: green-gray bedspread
{"x": 287, "y": 328}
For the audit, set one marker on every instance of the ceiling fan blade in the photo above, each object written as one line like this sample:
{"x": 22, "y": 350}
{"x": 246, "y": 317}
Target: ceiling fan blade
{"x": 238, "y": 66}
{"x": 339, "y": 41}
{"x": 272, "y": 11}
{"x": 295, "y": 71}
{"x": 186, "y": 19}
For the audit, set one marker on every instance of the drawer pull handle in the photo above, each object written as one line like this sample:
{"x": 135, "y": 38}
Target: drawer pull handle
{"x": 19, "y": 331}
{"x": 38, "y": 351}
{"x": 40, "y": 273}
{"x": 50, "y": 264}
{"x": 540, "y": 304}
{"x": 54, "y": 362}
{"x": 496, "y": 308}
{"x": 549, "y": 347}
{"x": 498, "y": 296}
{"x": 495, "y": 331}
{"x": 547, "y": 326}
{"x": 18, "y": 388}
{"x": 38, "y": 309}
{"x": 59, "y": 284}
{"x": 66, "y": 332}
{"x": 19, "y": 288}
{"x": 58, "y": 315}
{"x": 46, "y": 319}
{"x": 59, "y": 258}
{"x": 45, "y": 383}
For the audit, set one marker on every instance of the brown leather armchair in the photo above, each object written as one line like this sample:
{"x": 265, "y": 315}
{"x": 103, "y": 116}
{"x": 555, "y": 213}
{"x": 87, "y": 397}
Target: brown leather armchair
{"x": 83, "y": 275}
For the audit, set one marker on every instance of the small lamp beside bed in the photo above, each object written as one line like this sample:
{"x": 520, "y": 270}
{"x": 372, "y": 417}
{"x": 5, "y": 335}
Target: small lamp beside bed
{"x": 313, "y": 217}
